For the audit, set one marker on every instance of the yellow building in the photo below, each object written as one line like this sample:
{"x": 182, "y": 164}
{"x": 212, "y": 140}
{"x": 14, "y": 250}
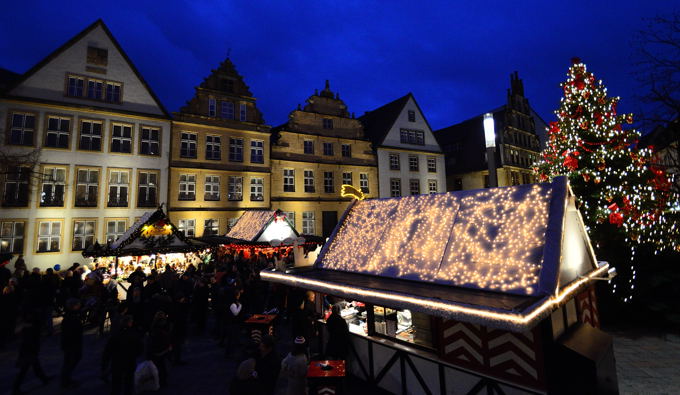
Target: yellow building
{"x": 219, "y": 158}
{"x": 320, "y": 148}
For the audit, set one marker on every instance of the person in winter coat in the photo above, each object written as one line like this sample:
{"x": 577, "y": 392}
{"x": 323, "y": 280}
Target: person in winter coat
{"x": 338, "y": 335}
{"x": 121, "y": 354}
{"x": 268, "y": 365}
{"x": 233, "y": 322}
{"x": 294, "y": 368}
{"x": 160, "y": 345}
{"x": 29, "y": 350}
{"x": 71, "y": 341}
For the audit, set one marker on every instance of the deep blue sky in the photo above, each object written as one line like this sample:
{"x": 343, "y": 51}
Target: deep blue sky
{"x": 455, "y": 56}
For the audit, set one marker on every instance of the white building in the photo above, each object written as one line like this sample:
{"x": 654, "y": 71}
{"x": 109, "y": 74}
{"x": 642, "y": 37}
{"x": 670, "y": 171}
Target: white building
{"x": 103, "y": 142}
{"x": 410, "y": 161}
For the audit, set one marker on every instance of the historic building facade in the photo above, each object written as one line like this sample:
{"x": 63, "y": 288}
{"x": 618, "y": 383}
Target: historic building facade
{"x": 410, "y": 161}
{"x": 519, "y": 132}
{"x": 219, "y": 156}
{"x": 86, "y": 149}
{"x": 320, "y": 148}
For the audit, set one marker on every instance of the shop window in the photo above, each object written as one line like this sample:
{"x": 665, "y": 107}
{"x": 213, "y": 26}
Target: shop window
{"x": 403, "y": 325}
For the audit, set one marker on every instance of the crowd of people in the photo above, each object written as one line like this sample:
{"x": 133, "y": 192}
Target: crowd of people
{"x": 149, "y": 315}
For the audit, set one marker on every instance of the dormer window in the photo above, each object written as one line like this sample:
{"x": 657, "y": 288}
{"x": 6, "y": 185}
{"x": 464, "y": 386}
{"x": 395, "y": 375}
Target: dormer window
{"x": 97, "y": 56}
{"x": 327, "y": 123}
{"x": 211, "y": 107}
{"x": 227, "y": 85}
{"x": 411, "y": 116}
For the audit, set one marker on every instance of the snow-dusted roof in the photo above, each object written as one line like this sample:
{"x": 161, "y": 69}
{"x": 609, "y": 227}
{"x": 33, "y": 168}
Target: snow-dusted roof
{"x": 527, "y": 241}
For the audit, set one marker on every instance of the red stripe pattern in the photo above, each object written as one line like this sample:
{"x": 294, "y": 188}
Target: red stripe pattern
{"x": 587, "y": 307}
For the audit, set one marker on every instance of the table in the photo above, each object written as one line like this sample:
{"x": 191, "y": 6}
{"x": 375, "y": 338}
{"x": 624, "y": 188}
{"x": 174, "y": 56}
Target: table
{"x": 326, "y": 381}
{"x": 260, "y": 324}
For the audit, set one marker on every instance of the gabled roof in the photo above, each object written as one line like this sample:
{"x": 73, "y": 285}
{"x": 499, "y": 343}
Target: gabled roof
{"x": 500, "y": 257}
{"x": 377, "y": 123}
{"x": 253, "y": 224}
{"x": 153, "y": 233}
{"x": 75, "y": 39}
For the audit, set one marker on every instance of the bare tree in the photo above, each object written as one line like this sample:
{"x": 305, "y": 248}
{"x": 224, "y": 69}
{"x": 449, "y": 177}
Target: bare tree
{"x": 19, "y": 171}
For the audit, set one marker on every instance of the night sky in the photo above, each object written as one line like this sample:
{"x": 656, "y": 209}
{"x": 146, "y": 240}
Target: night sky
{"x": 455, "y": 56}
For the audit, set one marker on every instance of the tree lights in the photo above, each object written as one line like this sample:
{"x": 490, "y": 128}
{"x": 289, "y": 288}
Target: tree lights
{"x": 619, "y": 190}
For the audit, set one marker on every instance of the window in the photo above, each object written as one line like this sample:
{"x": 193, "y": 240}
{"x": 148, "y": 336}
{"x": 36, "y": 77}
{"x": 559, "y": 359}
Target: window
{"x": 12, "y": 237}
{"x": 97, "y": 56}
{"x": 395, "y": 187}
{"x": 291, "y": 216}
{"x": 432, "y": 187}
{"x": 347, "y": 177}
{"x": 431, "y": 164}
{"x": 514, "y": 178}
{"x": 227, "y": 85}
{"x": 114, "y": 229}
{"x": 212, "y": 188}
{"x": 328, "y": 149}
{"x": 231, "y": 222}
{"x": 53, "y": 185}
{"x": 288, "y": 180}
{"x": 95, "y": 89}
{"x": 414, "y": 187}
{"x": 328, "y": 182}
{"x": 87, "y": 187}
{"x": 308, "y": 222}
{"x": 75, "y": 86}
{"x": 49, "y": 236}
{"x": 187, "y": 227}
{"x": 243, "y": 114}
{"x": 363, "y": 182}
{"x": 327, "y": 123}
{"x": 236, "y": 150}
{"x": 58, "y": 130}
{"x": 22, "y": 129}
{"x": 119, "y": 184}
{"x": 83, "y": 235}
{"x": 211, "y": 107}
{"x": 212, "y": 148}
{"x": 16, "y": 187}
{"x": 90, "y": 136}
{"x": 346, "y": 150}
{"x": 211, "y": 227}
{"x": 409, "y": 136}
{"x": 187, "y": 187}
{"x": 309, "y": 181}
{"x": 147, "y": 189}
{"x": 235, "y": 188}
{"x": 256, "y": 151}
{"x": 113, "y": 92}
{"x": 394, "y": 162}
{"x": 256, "y": 189}
{"x": 411, "y": 116}
{"x": 309, "y": 147}
{"x": 403, "y": 325}
{"x": 413, "y": 162}
{"x": 227, "y": 110}
{"x": 151, "y": 141}
{"x": 121, "y": 138}
{"x": 188, "y": 145}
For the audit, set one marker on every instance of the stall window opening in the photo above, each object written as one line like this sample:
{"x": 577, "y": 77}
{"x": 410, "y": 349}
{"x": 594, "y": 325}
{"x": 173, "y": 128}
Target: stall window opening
{"x": 403, "y": 325}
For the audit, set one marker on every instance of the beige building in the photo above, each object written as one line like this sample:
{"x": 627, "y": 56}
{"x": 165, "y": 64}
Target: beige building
{"x": 319, "y": 149}
{"x": 101, "y": 140}
{"x": 219, "y": 163}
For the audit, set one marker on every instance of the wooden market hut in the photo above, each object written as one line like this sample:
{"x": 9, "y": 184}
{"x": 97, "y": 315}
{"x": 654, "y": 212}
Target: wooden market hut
{"x": 152, "y": 234}
{"x": 475, "y": 291}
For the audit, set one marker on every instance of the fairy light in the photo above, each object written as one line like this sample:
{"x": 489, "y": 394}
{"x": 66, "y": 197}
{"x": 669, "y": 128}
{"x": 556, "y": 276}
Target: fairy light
{"x": 488, "y": 239}
{"x": 250, "y": 224}
{"x": 512, "y": 321}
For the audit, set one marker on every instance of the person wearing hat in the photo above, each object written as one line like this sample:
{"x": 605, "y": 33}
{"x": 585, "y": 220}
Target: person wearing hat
{"x": 294, "y": 368}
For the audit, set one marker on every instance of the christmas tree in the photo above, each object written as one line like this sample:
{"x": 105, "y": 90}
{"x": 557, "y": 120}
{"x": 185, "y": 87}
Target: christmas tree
{"x": 622, "y": 196}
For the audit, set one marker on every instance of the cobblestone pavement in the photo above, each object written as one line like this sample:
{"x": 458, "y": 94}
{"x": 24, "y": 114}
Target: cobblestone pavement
{"x": 647, "y": 364}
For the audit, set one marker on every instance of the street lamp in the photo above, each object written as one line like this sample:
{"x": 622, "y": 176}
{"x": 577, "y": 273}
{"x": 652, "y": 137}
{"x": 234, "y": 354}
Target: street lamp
{"x": 490, "y": 139}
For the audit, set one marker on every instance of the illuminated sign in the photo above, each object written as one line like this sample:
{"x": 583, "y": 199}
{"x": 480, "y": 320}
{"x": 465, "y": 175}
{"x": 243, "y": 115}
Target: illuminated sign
{"x": 350, "y": 191}
{"x": 160, "y": 228}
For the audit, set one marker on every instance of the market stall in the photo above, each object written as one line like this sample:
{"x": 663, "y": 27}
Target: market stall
{"x": 268, "y": 231}
{"x": 466, "y": 291}
{"x": 151, "y": 242}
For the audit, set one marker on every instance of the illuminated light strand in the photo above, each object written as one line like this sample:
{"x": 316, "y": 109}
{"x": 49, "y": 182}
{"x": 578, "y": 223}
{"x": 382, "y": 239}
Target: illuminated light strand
{"x": 516, "y": 322}
{"x": 250, "y": 223}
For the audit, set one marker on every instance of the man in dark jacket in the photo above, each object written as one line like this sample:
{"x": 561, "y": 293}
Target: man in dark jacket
{"x": 121, "y": 353}
{"x": 71, "y": 341}
{"x": 29, "y": 350}
{"x": 268, "y": 365}
{"x": 338, "y": 335}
